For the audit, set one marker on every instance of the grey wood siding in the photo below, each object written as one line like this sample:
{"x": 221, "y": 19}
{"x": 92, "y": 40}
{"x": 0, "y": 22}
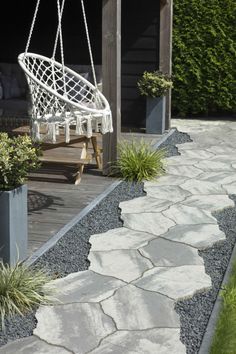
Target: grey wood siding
{"x": 140, "y": 52}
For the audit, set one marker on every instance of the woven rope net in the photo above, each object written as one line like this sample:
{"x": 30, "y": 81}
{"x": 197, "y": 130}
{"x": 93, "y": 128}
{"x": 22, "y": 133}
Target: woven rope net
{"x": 61, "y": 98}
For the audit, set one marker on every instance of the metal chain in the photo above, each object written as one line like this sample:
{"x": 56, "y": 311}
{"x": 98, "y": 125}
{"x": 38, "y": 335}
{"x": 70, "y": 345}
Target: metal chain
{"x": 32, "y": 26}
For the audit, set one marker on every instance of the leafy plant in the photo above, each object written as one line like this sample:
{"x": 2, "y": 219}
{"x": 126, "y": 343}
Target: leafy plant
{"x": 204, "y": 57}
{"x": 21, "y": 290}
{"x": 18, "y": 156}
{"x": 137, "y": 162}
{"x": 154, "y": 84}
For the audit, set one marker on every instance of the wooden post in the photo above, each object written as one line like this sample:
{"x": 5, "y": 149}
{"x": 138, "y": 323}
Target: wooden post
{"x": 166, "y": 23}
{"x": 111, "y": 74}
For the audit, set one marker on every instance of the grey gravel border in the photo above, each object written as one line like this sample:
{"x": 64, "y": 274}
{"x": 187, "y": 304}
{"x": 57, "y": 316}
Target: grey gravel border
{"x": 211, "y": 326}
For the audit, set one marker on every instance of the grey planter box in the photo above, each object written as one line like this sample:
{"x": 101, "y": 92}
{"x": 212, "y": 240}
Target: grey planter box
{"x": 13, "y": 225}
{"x": 155, "y": 115}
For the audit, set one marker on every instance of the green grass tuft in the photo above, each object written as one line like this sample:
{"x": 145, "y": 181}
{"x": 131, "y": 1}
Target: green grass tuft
{"x": 138, "y": 162}
{"x": 21, "y": 290}
{"x": 224, "y": 341}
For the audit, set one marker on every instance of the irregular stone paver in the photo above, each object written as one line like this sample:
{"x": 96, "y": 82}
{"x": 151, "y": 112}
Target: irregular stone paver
{"x": 195, "y": 186}
{"x": 77, "y": 327}
{"x": 167, "y": 180}
{"x": 144, "y": 310}
{"x": 210, "y": 165}
{"x": 165, "y": 253}
{"x": 218, "y": 177}
{"x": 144, "y": 205}
{"x": 230, "y": 188}
{"x": 186, "y": 171}
{"x": 197, "y": 154}
{"x": 175, "y": 282}
{"x": 199, "y": 236}
{"x": 152, "y": 223}
{"x": 84, "y": 286}
{"x": 121, "y": 238}
{"x": 182, "y": 215}
{"x": 172, "y": 193}
{"x": 126, "y": 265}
{"x": 174, "y": 160}
{"x": 32, "y": 345}
{"x": 152, "y": 341}
{"x": 209, "y": 202}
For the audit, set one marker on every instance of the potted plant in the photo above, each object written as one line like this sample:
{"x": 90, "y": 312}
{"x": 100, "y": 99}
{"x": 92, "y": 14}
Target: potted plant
{"x": 18, "y": 156}
{"x": 155, "y": 85}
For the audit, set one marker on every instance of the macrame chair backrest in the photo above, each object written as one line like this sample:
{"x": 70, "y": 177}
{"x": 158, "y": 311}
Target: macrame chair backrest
{"x": 59, "y": 95}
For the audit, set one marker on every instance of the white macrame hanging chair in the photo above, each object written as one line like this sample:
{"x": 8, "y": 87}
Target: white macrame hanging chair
{"x": 61, "y": 97}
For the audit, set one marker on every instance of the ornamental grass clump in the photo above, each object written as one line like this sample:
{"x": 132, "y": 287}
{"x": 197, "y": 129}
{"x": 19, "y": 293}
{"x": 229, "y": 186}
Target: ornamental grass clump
{"x": 138, "y": 162}
{"x": 154, "y": 84}
{"x": 18, "y": 156}
{"x": 21, "y": 290}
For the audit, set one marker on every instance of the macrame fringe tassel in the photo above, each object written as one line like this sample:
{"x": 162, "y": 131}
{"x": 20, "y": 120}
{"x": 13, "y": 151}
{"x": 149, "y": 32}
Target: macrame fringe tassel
{"x": 36, "y": 131}
{"x": 67, "y": 132}
{"x": 78, "y": 128}
{"x": 89, "y": 127}
{"x": 52, "y": 132}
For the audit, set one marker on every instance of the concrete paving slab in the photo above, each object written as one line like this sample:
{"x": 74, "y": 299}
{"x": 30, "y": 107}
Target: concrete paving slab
{"x": 185, "y": 171}
{"x": 157, "y": 340}
{"x": 172, "y": 193}
{"x": 77, "y": 327}
{"x": 199, "y": 236}
{"x": 175, "y": 282}
{"x": 144, "y": 205}
{"x": 120, "y": 238}
{"x": 188, "y": 161}
{"x": 165, "y": 253}
{"x": 211, "y": 165}
{"x": 136, "y": 309}
{"x": 85, "y": 286}
{"x": 196, "y": 186}
{"x": 32, "y": 345}
{"x": 153, "y": 223}
{"x": 167, "y": 180}
{"x": 126, "y": 265}
{"x": 209, "y": 202}
{"x": 198, "y": 154}
{"x": 186, "y": 215}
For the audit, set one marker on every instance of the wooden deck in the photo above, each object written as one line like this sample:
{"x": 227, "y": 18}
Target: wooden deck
{"x": 53, "y": 201}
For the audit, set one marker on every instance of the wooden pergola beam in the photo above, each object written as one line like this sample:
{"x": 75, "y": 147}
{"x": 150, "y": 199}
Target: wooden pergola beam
{"x": 166, "y": 23}
{"x": 111, "y": 74}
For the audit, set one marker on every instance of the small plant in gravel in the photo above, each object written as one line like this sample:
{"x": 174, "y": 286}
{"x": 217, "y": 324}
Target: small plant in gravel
{"x": 138, "y": 162}
{"x": 21, "y": 290}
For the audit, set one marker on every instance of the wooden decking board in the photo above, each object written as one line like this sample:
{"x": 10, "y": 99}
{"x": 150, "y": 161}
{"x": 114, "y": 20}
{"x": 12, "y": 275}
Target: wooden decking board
{"x": 54, "y": 204}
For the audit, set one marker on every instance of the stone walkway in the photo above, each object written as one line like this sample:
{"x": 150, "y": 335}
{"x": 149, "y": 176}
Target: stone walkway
{"x": 125, "y": 302}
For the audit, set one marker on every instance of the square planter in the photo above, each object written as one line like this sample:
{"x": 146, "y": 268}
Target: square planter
{"x": 14, "y": 225}
{"x": 155, "y": 115}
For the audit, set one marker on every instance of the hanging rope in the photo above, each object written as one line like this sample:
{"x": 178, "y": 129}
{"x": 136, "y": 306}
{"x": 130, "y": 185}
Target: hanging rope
{"x": 32, "y": 26}
{"x": 60, "y": 96}
{"x": 89, "y": 44}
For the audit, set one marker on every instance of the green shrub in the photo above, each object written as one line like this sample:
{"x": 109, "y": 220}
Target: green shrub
{"x": 18, "y": 156}
{"x": 154, "y": 84}
{"x": 137, "y": 162}
{"x": 21, "y": 290}
{"x": 204, "y": 57}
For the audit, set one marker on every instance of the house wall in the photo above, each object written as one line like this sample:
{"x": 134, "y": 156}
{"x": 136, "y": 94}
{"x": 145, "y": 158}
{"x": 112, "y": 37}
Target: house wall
{"x": 140, "y": 52}
{"x": 14, "y": 29}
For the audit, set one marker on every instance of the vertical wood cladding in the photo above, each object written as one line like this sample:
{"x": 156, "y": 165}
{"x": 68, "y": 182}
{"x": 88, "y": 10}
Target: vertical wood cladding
{"x": 140, "y": 52}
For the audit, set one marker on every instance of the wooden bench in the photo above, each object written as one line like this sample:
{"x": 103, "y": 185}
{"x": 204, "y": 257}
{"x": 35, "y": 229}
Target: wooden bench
{"x": 79, "y": 151}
